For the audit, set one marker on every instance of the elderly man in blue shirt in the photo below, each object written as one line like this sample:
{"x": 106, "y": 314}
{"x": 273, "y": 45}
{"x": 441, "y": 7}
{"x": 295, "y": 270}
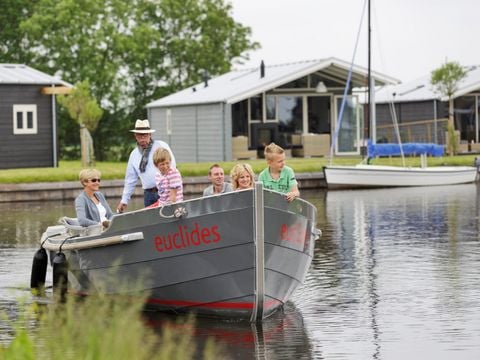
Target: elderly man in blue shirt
{"x": 140, "y": 165}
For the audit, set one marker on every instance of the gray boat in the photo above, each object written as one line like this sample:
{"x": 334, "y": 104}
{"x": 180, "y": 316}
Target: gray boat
{"x": 238, "y": 255}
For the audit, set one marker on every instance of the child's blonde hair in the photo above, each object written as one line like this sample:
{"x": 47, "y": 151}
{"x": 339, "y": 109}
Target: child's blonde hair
{"x": 237, "y": 171}
{"x": 161, "y": 155}
{"x": 272, "y": 149}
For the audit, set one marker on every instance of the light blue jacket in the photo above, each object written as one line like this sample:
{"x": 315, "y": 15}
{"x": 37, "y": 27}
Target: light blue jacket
{"x": 87, "y": 212}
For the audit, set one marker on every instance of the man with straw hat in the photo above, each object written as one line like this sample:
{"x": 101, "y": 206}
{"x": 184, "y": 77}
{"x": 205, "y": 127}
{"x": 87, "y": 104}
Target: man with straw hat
{"x": 140, "y": 165}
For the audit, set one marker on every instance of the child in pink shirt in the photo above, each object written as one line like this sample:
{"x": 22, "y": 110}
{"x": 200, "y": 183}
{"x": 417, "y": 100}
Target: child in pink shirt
{"x": 168, "y": 180}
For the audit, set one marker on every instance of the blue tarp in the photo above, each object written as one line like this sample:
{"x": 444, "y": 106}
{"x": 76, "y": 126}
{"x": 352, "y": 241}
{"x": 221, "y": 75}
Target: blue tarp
{"x": 375, "y": 150}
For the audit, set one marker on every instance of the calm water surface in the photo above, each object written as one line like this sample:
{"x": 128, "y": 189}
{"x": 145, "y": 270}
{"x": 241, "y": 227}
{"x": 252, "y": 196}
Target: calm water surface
{"x": 396, "y": 275}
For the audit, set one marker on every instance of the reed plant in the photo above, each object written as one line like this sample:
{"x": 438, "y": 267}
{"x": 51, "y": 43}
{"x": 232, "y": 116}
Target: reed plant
{"x": 100, "y": 327}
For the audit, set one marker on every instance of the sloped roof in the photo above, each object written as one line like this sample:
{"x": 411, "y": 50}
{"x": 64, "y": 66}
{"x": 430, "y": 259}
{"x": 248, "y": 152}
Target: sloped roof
{"x": 421, "y": 89}
{"x": 238, "y": 85}
{"x": 25, "y": 75}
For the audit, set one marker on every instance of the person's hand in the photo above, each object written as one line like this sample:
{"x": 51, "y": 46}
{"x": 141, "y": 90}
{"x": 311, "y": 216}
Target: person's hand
{"x": 105, "y": 224}
{"x": 291, "y": 196}
{"x": 121, "y": 208}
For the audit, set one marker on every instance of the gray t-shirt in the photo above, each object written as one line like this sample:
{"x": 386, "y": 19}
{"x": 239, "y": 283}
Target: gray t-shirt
{"x": 227, "y": 187}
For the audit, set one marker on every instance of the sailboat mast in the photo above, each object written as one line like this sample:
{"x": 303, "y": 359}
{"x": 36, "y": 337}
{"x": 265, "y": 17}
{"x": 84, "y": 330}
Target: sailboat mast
{"x": 369, "y": 75}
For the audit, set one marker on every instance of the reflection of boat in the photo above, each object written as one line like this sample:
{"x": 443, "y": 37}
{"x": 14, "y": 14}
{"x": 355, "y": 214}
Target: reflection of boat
{"x": 240, "y": 254}
{"x": 365, "y": 175}
{"x": 282, "y": 336}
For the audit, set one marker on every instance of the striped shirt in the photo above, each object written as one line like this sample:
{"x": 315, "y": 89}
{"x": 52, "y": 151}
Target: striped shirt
{"x": 171, "y": 180}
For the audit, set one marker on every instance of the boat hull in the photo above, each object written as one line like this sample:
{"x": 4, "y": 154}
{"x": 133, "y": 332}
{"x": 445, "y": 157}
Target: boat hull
{"x": 369, "y": 176}
{"x": 241, "y": 254}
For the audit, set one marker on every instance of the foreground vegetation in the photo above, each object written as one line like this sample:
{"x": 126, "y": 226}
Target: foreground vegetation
{"x": 68, "y": 170}
{"x": 99, "y": 327}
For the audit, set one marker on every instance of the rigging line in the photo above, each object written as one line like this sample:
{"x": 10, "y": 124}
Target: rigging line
{"x": 347, "y": 86}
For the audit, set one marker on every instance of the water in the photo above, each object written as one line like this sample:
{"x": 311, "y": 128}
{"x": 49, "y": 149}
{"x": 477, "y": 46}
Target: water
{"x": 396, "y": 275}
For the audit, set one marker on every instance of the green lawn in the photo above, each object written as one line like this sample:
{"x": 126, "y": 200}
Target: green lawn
{"x": 68, "y": 170}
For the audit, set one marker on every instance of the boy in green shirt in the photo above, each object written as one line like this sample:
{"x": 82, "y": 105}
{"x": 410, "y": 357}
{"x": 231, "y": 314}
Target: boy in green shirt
{"x": 277, "y": 176}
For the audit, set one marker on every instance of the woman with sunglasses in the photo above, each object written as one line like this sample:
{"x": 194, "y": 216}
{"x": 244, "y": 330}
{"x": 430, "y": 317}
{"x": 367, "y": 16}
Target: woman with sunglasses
{"x": 91, "y": 206}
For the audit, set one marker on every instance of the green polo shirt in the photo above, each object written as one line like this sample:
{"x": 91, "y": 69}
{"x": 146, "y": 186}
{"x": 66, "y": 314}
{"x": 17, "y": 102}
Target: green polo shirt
{"x": 283, "y": 184}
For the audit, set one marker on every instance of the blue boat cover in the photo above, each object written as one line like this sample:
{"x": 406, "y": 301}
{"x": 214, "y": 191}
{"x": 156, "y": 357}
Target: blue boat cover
{"x": 375, "y": 150}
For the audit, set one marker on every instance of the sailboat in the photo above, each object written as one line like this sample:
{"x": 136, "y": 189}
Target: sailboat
{"x": 365, "y": 175}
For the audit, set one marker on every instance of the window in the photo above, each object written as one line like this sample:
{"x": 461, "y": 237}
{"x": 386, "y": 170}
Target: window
{"x": 256, "y": 108}
{"x": 290, "y": 114}
{"x": 271, "y": 107}
{"x": 240, "y": 118}
{"x": 24, "y": 119}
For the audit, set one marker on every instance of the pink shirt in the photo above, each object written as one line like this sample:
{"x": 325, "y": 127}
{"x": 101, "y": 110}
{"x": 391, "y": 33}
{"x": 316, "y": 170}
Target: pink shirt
{"x": 171, "y": 180}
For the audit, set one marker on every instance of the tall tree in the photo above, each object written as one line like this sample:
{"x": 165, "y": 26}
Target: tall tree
{"x": 445, "y": 81}
{"x": 133, "y": 51}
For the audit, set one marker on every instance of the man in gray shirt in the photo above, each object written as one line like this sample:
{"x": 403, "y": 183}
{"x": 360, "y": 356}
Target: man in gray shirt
{"x": 217, "y": 176}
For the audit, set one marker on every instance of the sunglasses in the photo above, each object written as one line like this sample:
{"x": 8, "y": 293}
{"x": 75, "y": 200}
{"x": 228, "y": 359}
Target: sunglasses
{"x": 94, "y": 180}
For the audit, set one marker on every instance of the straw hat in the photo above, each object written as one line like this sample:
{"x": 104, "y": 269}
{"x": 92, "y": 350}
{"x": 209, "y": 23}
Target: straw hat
{"x": 142, "y": 127}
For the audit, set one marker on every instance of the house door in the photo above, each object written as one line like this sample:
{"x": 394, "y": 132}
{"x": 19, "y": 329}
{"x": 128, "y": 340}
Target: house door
{"x": 346, "y": 131}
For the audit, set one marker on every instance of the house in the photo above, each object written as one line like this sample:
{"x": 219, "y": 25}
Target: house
{"x": 234, "y": 115}
{"x": 28, "y": 125}
{"x": 422, "y": 113}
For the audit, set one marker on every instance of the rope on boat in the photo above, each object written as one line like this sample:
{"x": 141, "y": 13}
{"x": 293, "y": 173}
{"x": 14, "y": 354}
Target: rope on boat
{"x": 179, "y": 212}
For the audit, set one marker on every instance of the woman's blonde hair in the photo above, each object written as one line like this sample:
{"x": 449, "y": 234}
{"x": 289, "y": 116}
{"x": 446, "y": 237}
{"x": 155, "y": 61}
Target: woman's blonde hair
{"x": 237, "y": 171}
{"x": 161, "y": 155}
{"x": 87, "y": 174}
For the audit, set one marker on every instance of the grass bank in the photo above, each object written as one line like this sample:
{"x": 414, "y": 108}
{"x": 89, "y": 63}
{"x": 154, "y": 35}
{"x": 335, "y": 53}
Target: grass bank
{"x": 68, "y": 170}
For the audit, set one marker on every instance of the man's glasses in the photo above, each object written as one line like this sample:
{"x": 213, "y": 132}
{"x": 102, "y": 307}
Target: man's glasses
{"x": 94, "y": 180}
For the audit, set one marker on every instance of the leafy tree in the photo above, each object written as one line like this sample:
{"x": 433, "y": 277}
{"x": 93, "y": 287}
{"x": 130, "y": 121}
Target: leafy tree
{"x": 85, "y": 111}
{"x": 13, "y": 45}
{"x": 445, "y": 80}
{"x": 132, "y": 51}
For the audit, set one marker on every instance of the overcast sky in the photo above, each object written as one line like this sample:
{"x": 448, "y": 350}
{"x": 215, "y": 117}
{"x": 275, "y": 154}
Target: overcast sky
{"x": 410, "y": 38}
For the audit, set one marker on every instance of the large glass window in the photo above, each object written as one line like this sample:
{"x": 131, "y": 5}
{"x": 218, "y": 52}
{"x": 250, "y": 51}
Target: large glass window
{"x": 271, "y": 107}
{"x": 240, "y": 118}
{"x": 256, "y": 108}
{"x": 465, "y": 117}
{"x": 24, "y": 119}
{"x": 347, "y": 136}
{"x": 318, "y": 114}
{"x": 290, "y": 114}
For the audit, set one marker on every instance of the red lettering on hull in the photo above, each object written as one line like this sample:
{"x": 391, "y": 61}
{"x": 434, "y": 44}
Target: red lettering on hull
{"x": 294, "y": 233}
{"x": 186, "y": 237}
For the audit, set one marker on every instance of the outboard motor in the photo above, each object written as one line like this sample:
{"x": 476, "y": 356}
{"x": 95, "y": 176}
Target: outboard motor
{"x": 39, "y": 271}
{"x": 60, "y": 274}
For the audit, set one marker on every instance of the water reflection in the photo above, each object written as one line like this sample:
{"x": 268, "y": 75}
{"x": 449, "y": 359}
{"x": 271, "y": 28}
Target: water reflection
{"x": 394, "y": 261}
{"x": 281, "y": 336}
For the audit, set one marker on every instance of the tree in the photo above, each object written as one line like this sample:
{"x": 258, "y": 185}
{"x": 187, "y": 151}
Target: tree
{"x": 133, "y": 51}
{"x": 13, "y": 45}
{"x": 85, "y": 111}
{"x": 445, "y": 80}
